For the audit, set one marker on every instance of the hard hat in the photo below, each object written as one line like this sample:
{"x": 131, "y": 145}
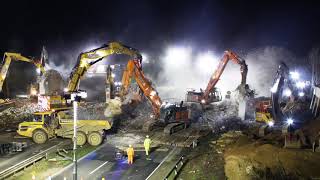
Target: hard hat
{"x": 147, "y": 136}
{"x": 130, "y": 145}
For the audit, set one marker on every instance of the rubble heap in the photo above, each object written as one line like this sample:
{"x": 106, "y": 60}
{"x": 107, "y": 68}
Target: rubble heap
{"x": 12, "y": 116}
{"x": 134, "y": 115}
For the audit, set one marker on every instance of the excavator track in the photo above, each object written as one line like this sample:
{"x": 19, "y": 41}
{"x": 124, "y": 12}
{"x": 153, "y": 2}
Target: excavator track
{"x": 174, "y": 127}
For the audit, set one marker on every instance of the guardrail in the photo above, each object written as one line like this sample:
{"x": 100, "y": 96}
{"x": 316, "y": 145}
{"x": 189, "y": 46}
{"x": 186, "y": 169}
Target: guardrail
{"x": 23, "y": 164}
{"x": 175, "y": 170}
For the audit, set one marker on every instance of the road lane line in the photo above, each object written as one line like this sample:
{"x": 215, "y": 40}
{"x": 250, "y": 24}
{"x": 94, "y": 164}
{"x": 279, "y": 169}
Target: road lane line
{"x": 79, "y": 160}
{"x": 161, "y": 163}
{"x": 98, "y": 168}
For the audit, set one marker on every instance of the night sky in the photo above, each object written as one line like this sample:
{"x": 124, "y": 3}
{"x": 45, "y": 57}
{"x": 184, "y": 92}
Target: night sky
{"x": 68, "y": 27}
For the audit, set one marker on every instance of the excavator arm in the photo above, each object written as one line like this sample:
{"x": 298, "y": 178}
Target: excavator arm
{"x": 174, "y": 117}
{"x": 8, "y": 57}
{"x": 134, "y": 71}
{"x": 87, "y": 59}
{"x": 282, "y": 78}
{"x": 228, "y": 55}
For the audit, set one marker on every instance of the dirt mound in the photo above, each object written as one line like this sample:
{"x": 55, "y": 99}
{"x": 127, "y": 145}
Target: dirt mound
{"x": 252, "y": 160}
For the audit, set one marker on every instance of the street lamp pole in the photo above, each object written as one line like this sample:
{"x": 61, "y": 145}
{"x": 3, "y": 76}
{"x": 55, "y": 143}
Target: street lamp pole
{"x": 75, "y": 98}
{"x": 75, "y": 119}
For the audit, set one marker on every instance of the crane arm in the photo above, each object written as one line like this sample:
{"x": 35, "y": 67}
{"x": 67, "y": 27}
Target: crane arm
{"x": 134, "y": 71}
{"x": 228, "y": 55}
{"x": 87, "y": 59}
{"x": 8, "y": 57}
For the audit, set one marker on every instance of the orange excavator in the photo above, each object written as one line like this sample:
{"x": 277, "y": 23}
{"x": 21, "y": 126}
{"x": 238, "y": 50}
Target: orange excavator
{"x": 211, "y": 94}
{"x": 174, "y": 117}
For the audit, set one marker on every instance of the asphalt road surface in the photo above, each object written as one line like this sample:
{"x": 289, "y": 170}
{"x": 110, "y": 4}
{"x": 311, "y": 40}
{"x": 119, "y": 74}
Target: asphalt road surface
{"x": 102, "y": 163}
{"x": 11, "y": 159}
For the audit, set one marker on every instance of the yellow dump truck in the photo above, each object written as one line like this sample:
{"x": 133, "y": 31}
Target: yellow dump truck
{"x": 44, "y": 125}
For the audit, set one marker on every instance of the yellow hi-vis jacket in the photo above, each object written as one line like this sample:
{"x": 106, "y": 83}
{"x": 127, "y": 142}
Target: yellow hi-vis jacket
{"x": 130, "y": 151}
{"x": 147, "y": 143}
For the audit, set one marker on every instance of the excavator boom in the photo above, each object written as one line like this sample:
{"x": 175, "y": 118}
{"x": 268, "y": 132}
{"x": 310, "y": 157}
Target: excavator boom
{"x": 210, "y": 94}
{"x": 8, "y": 57}
{"x": 173, "y": 116}
{"x": 134, "y": 70}
{"x": 87, "y": 59}
{"x": 228, "y": 55}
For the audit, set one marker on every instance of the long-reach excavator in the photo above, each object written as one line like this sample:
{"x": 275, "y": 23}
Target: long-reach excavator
{"x": 171, "y": 113}
{"x": 8, "y": 57}
{"x": 211, "y": 94}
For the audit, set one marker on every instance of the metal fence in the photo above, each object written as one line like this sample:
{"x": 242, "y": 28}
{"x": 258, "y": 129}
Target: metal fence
{"x": 175, "y": 170}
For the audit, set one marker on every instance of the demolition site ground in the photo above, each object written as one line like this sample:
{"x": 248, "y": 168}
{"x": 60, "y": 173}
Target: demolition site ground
{"x": 217, "y": 145}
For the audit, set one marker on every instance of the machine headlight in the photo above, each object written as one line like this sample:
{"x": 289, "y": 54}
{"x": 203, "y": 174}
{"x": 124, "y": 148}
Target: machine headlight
{"x": 289, "y": 121}
{"x": 271, "y": 123}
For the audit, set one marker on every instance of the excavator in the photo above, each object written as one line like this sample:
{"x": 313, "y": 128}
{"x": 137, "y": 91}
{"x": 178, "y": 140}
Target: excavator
{"x": 273, "y": 112}
{"x": 284, "y": 94}
{"x": 9, "y": 56}
{"x": 174, "y": 117}
{"x": 171, "y": 114}
{"x": 211, "y": 94}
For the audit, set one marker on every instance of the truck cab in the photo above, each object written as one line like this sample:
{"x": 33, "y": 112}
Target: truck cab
{"x": 40, "y": 126}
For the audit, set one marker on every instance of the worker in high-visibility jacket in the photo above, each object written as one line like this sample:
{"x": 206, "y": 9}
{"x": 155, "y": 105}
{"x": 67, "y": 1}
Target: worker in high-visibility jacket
{"x": 147, "y": 143}
{"x": 130, "y": 153}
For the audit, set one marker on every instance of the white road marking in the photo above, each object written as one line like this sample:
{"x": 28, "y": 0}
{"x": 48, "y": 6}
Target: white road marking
{"x": 98, "y": 168}
{"x": 70, "y": 165}
{"x": 161, "y": 163}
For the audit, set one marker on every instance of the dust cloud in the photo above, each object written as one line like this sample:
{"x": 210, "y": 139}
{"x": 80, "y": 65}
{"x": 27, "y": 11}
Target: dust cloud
{"x": 184, "y": 68}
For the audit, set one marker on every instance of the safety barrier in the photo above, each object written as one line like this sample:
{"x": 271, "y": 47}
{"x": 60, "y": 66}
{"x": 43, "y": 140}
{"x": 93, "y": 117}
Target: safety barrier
{"x": 175, "y": 170}
{"x": 17, "y": 167}
{"x": 23, "y": 164}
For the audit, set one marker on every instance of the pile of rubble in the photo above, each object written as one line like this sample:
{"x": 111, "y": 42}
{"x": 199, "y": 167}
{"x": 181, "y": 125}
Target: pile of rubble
{"x": 221, "y": 111}
{"x": 92, "y": 111}
{"x": 134, "y": 115}
{"x": 12, "y": 116}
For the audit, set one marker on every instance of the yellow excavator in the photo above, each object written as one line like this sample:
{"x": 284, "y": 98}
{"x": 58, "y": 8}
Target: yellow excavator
{"x": 87, "y": 59}
{"x": 9, "y": 57}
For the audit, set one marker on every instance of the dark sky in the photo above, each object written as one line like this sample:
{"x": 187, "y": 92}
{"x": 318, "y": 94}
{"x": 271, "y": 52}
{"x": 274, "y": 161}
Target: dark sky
{"x": 27, "y": 25}
{"x": 68, "y": 27}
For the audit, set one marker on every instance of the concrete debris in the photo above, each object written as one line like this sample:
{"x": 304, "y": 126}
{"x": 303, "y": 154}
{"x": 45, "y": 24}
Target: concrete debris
{"x": 51, "y": 83}
{"x": 91, "y": 111}
{"x": 113, "y": 107}
{"x": 136, "y": 114}
{"x": 12, "y": 116}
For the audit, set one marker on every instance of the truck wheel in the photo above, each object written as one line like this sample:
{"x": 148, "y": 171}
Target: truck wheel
{"x": 95, "y": 138}
{"x": 39, "y": 136}
{"x": 81, "y": 138}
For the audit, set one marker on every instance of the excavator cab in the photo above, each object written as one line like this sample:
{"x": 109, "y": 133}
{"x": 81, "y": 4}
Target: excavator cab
{"x": 215, "y": 96}
{"x": 193, "y": 96}
{"x": 175, "y": 117}
{"x": 172, "y": 113}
